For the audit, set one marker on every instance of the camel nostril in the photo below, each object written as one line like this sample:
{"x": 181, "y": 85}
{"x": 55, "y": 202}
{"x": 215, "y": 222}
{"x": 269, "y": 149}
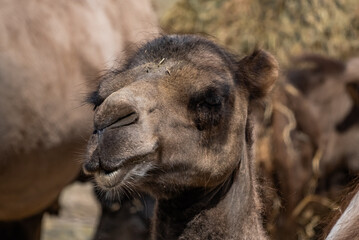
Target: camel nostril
{"x": 91, "y": 167}
{"x": 126, "y": 120}
{"x": 115, "y": 114}
{"x": 108, "y": 167}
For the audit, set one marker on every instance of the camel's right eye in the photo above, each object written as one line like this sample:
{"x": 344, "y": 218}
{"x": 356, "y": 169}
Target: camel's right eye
{"x": 213, "y": 101}
{"x": 207, "y": 110}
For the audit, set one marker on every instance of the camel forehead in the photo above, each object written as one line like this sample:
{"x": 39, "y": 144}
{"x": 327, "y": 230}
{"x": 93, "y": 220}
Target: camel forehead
{"x": 199, "y": 70}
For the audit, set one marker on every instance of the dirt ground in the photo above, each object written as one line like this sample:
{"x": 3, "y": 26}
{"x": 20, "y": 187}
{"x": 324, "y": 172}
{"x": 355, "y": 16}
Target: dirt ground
{"x": 78, "y": 215}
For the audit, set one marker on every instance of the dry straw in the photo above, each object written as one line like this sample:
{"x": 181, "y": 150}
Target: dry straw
{"x": 284, "y": 27}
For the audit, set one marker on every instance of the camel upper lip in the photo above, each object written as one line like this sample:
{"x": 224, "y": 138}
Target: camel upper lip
{"x": 132, "y": 160}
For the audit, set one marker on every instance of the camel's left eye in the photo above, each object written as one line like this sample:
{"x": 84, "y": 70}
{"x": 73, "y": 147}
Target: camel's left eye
{"x": 207, "y": 109}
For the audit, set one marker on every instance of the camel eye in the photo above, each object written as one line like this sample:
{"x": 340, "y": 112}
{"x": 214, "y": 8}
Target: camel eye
{"x": 213, "y": 100}
{"x": 95, "y": 99}
{"x": 207, "y": 110}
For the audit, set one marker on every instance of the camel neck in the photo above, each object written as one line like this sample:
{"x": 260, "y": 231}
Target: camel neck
{"x": 225, "y": 212}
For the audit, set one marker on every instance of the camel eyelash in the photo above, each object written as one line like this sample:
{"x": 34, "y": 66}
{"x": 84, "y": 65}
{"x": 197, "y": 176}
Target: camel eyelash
{"x": 95, "y": 99}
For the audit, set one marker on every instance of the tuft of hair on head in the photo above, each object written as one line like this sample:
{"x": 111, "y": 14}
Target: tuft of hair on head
{"x": 259, "y": 71}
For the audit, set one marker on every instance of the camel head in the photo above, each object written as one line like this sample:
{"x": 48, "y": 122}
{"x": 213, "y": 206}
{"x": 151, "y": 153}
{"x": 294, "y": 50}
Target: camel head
{"x": 175, "y": 116}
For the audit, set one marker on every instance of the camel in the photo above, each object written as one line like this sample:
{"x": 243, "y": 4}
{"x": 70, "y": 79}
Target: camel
{"x": 174, "y": 121}
{"x": 49, "y": 52}
{"x": 287, "y": 140}
{"x": 347, "y": 219}
{"x": 311, "y": 132}
{"x": 326, "y": 85}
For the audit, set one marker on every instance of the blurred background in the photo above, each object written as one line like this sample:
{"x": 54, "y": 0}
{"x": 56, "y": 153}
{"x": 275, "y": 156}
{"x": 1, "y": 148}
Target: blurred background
{"x": 307, "y": 131}
{"x": 285, "y": 28}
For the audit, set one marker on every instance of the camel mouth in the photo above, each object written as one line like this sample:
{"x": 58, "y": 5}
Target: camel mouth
{"x": 124, "y": 180}
{"x": 131, "y": 172}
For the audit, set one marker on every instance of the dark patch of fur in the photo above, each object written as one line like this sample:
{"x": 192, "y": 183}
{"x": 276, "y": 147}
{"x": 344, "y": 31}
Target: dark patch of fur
{"x": 178, "y": 211}
{"x": 208, "y": 106}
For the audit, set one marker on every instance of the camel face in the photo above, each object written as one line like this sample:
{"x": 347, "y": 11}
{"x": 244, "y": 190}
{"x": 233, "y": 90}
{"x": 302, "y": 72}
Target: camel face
{"x": 173, "y": 117}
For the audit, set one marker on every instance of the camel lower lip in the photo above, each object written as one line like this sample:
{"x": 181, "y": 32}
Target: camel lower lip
{"x": 109, "y": 180}
{"x": 129, "y": 167}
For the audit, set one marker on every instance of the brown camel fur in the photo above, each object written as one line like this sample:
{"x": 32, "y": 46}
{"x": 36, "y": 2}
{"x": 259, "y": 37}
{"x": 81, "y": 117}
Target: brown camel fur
{"x": 48, "y": 51}
{"x": 174, "y": 122}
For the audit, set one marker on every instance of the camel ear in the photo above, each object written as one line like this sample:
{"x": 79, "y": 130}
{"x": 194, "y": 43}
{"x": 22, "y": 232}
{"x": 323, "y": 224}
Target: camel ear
{"x": 259, "y": 71}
